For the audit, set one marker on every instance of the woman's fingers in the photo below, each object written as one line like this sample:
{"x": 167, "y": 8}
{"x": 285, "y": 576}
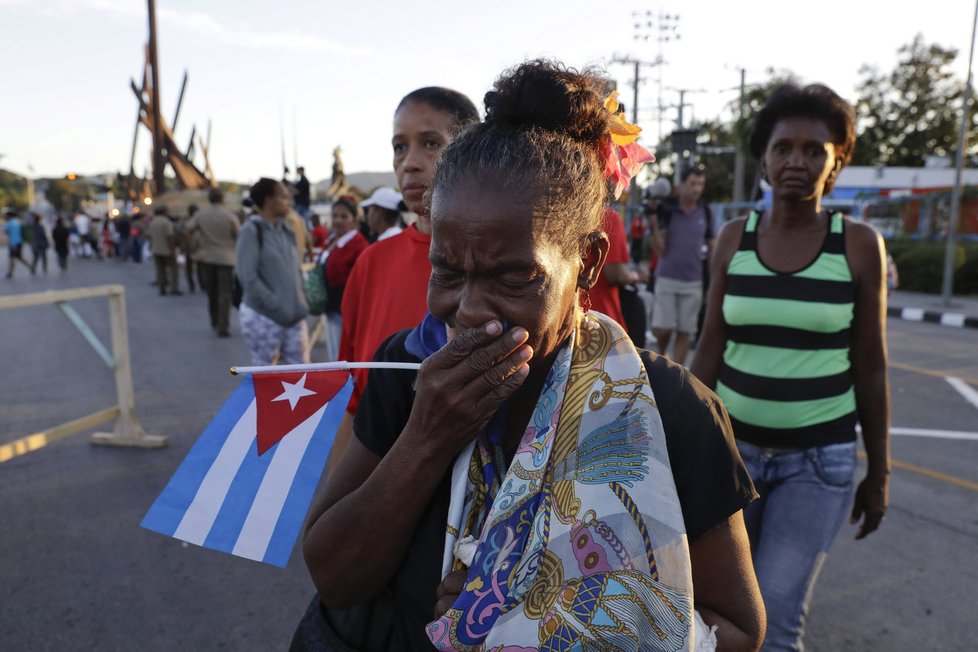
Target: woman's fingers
{"x": 461, "y": 386}
{"x": 477, "y": 350}
{"x": 448, "y": 591}
{"x": 502, "y": 379}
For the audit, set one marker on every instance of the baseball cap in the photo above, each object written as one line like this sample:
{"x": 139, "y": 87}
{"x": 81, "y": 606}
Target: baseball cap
{"x": 385, "y": 198}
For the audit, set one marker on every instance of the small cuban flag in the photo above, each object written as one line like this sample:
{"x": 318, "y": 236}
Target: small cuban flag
{"x": 246, "y": 485}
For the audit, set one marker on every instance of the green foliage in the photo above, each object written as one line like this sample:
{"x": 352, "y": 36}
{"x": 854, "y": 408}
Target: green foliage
{"x": 920, "y": 264}
{"x": 67, "y": 195}
{"x": 913, "y": 111}
{"x": 719, "y": 166}
{"x": 13, "y": 191}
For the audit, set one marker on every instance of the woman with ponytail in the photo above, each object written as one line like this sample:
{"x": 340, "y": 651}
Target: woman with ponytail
{"x": 540, "y": 483}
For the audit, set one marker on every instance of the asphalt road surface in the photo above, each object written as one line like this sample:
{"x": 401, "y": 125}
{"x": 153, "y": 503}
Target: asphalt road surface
{"x": 78, "y": 573}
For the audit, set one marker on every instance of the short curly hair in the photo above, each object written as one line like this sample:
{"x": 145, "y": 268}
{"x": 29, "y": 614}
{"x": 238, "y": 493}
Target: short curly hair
{"x": 816, "y": 101}
{"x": 544, "y": 131}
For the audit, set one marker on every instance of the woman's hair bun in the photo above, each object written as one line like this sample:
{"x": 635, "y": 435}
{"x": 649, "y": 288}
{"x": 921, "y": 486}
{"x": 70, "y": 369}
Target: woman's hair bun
{"x": 549, "y": 96}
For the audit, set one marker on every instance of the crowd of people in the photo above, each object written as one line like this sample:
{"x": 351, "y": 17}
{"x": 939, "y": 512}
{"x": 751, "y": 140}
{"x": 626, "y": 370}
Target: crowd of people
{"x": 544, "y": 481}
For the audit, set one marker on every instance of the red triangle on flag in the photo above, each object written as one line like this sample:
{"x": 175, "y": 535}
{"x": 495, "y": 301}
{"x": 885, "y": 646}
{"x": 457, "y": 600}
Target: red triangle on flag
{"x": 286, "y": 400}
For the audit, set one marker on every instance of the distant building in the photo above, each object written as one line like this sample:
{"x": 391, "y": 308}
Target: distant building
{"x": 913, "y": 201}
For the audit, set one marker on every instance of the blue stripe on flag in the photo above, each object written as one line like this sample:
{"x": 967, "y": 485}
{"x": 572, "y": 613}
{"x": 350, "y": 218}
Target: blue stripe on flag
{"x": 240, "y": 497}
{"x": 306, "y": 479}
{"x": 168, "y": 510}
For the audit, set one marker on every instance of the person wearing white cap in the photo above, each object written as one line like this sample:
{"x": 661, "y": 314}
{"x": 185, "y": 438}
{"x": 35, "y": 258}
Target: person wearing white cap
{"x": 384, "y": 212}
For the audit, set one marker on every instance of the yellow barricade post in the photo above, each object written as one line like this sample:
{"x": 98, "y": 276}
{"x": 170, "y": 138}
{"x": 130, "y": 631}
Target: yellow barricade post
{"x": 127, "y": 430}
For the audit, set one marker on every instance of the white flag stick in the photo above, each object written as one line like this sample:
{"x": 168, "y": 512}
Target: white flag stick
{"x": 324, "y": 366}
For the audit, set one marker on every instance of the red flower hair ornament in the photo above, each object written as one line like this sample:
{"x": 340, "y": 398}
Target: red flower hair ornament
{"x": 623, "y": 156}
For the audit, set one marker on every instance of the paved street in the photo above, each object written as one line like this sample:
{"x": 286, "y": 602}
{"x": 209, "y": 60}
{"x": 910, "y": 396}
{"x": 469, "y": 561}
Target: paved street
{"x": 80, "y": 574}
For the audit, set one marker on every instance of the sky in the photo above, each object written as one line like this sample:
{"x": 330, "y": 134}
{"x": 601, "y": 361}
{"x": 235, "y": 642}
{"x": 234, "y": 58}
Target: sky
{"x": 331, "y": 73}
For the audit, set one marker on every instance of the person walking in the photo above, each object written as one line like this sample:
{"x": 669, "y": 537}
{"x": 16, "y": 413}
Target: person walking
{"x": 273, "y": 307}
{"x": 162, "y": 242}
{"x": 303, "y": 193}
{"x": 216, "y": 229}
{"x": 680, "y": 231}
{"x": 15, "y": 244}
{"x": 61, "y": 235}
{"x": 123, "y": 227}
{"x": 795, "y": 345}
{"x": 188, "y": 250}
{"x": 39, "y": 243}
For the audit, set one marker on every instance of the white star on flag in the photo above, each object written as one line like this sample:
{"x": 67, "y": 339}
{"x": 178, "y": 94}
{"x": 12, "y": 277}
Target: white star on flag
{"x": 292, "y": 392}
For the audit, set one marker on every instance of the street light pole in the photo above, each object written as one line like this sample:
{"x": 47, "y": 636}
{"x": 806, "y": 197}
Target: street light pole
{"x": 948, "y": 281}
{"x": 739, "y": 160}
{"x": 159, "y": 181}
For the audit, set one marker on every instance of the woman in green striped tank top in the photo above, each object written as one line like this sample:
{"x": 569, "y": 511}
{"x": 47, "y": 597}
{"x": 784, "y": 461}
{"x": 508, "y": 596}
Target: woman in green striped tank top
{"x": 794, "y": 343}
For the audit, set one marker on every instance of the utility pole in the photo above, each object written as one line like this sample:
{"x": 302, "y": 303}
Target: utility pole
{"x": 739, "y": 158}
{"x": 680, "y": 127}
{"x": 159, "y": 180}
{"x": 948, "y": 280}
{"x": 663, "y": 28}
{"x": 633, "y": 194}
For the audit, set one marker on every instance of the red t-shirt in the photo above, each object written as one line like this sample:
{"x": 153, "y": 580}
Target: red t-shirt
{"x": 387, "y": 291}
{"x": 319, "y": 236}
{"x": 340, "y": 262}
{"x": 604, "y": 297}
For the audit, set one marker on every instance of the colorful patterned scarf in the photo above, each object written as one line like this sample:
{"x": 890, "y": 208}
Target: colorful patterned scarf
{"x": 581, "y": 544}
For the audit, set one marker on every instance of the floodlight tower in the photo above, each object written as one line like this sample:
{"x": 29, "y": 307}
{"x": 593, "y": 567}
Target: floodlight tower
{"x": 663, "y": 28}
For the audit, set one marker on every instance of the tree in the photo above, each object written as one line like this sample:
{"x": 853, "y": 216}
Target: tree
{"x": 912, "y": 112}
{"x": 13, "y": 191}
{"x": 67, "y": 195}
{"x": 716, "y": 139}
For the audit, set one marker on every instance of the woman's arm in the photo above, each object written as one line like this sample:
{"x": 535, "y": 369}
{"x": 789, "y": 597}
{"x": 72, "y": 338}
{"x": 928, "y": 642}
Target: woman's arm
{"x": 658, "y": 236}
{"x": 713, "y": 339}
{"x": 867, "y": 260}
{"x": 247, "y": 261}
{"x": 725, "y": 587}
{"x": 360, "y": 529}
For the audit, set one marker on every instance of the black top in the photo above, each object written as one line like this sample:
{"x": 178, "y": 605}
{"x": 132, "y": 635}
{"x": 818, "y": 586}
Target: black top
{"x": 302, "y": 194}
{"x": 711, "y": 480}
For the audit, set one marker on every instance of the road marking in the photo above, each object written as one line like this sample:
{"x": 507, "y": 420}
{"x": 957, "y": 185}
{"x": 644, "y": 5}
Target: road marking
{"x": 964, "y": 389}
{"x": 929, "y": 473}
{"x": 935, "y": 434}
{"x": 23, "y": 446}
{"x": 952, "y": 319}
{"x": 931, "y": 433}
{"x": 931, "y": 372}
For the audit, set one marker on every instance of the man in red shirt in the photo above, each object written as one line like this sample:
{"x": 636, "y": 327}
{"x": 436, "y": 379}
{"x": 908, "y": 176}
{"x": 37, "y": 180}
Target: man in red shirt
{"x": 604, "y": 295}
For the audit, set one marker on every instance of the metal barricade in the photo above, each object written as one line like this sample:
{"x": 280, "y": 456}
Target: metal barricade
{"x": 127, "y": 430}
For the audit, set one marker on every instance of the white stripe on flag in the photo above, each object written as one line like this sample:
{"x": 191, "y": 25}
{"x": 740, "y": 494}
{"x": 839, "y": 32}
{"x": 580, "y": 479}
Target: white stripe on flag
{"x": 275, "y": 486}
{"x": 197, "y": 521}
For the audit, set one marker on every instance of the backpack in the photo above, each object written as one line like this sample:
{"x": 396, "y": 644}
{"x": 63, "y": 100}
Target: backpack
{"x": 237, "y": 291}
{"x": 315, "y": 288}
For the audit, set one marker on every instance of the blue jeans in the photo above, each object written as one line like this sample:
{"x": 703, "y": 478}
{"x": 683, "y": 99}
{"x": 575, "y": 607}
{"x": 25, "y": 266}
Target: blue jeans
{"x": 805, "y": 495}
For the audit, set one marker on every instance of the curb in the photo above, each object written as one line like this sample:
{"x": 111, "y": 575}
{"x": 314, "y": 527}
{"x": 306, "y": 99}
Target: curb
{"x": 953, "y": 319}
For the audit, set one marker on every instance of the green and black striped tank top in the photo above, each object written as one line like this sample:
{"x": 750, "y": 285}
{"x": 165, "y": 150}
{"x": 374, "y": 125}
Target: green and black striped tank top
{"x": 786, "y": 377}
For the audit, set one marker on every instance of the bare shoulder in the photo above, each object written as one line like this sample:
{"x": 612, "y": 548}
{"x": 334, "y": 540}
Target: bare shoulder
{"x": 728, "y": 238}
{"x": 732, "y": 230}
{"x": 863, "y": 239}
